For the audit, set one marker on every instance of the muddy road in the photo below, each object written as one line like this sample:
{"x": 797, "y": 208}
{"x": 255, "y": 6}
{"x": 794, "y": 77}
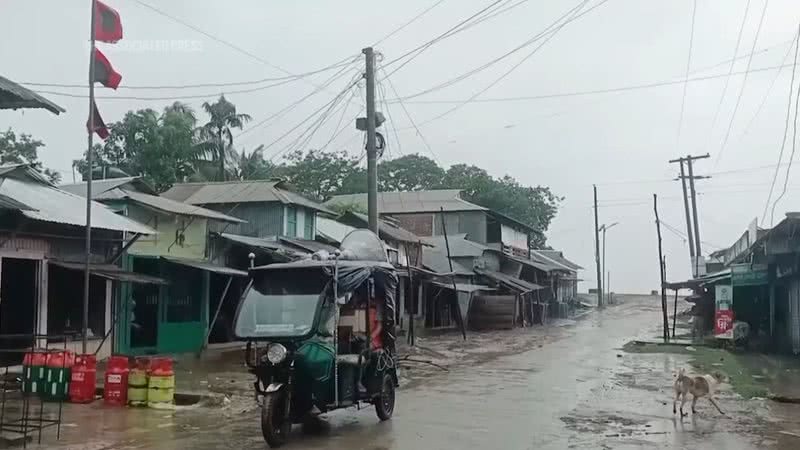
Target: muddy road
{"x": 578, "y": 390}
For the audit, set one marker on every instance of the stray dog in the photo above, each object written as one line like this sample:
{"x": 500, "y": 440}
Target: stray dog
{"x": 697, "y": 386}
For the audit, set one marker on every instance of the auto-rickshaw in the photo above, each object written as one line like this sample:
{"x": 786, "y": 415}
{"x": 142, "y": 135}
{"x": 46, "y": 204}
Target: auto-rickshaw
{"x": 320, "y": 334}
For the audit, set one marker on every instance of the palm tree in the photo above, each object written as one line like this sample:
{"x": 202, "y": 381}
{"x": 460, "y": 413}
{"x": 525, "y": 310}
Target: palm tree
{"x": 251, "y": 166}
{"x": 217, "y": 134}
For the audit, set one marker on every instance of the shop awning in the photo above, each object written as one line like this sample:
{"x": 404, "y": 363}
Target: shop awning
{"x": 513, "y": 283}
{"x": 207, "y": 266}
{"x": 110, "y": 272}
{"x": 463, "y": 287}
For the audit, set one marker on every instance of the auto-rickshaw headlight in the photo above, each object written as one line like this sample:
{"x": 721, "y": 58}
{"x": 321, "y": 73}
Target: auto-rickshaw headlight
{"x": 276, "y": 353}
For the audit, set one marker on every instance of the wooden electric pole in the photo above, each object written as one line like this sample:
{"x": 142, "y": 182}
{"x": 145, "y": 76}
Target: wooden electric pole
{"x": 597, "y": 252}
{"x": 661, "y": 270}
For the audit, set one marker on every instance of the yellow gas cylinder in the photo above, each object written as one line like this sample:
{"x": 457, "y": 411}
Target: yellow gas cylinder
{"x": 137, "y": 382}
{"x": 161, "y": 384}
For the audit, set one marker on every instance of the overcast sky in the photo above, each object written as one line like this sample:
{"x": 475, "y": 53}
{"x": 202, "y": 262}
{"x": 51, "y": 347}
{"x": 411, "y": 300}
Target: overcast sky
{"x": 621, "y": 141}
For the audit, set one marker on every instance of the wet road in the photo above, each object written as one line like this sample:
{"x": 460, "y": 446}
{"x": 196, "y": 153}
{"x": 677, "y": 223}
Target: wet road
{"x": 578, "y": 391}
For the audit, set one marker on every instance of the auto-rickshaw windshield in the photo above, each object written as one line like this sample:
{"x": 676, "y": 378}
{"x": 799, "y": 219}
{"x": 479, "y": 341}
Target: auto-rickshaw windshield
{"x": 280, "y": 304}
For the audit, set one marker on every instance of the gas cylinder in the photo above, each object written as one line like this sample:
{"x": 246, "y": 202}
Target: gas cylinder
{"x": 137, "y": 382}
{"x": 115, "y": 387}
{"x": 82, "y": 379}
{"x": 34, "y": 366}
{"x": 161, "y": 385}
{"x": 57, "y": 375}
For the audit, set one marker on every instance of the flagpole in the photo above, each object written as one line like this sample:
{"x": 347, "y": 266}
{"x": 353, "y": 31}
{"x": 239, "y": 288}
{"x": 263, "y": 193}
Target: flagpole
{"x": 89, "y": 162}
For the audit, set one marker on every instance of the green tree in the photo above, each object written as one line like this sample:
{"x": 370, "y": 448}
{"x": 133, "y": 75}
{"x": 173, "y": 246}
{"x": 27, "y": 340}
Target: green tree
{"x": 409, "y": 173}
{"x": 318, "y": 174}
{"x": 216, "y": 134}
{"x": 23, "y": 149}
{"x": 251, "y": 166}
{"x": 159, "y": 147}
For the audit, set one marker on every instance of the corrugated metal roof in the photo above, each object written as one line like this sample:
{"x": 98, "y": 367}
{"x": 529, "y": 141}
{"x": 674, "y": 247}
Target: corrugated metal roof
{"x": 411, "y": 202}
{"x": 460, "y": 246}
{"x": 270, "y": 245}
{"x": 308, "y": 245}
{"x": 238, "y": 192}
{"x": 463, "y": 287}
{"x": 111, "y": 272}
{"x": 513, "y": 283}
{"x": 9, "y": 203}
{"x": 558, "y": 256}
{"x": 14, "y": 96}
{"x": 207, "y": 266}
{"x": 552, "y": 263}
{"x": 333, "y": 229}
{"x": 104, "y": 189}
{"x": 51, "y": 204}
{"x": 171, "y": 206}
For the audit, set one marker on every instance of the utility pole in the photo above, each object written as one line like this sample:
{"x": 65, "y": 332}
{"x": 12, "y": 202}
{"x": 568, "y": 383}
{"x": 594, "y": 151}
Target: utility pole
{"x": 694, "y": 207}
{"x": 688, "y": 218}
{"x": 597, "y": 252}
{"x": 604, "y": 228}
{"x": 692, "y": 223}
{"x": 661, "y": 270}
{"x": 372, "y": 152}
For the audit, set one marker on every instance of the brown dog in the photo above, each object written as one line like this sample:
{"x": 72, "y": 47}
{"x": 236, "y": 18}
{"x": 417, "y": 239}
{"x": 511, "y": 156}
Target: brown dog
{"x": 697, "y": 386}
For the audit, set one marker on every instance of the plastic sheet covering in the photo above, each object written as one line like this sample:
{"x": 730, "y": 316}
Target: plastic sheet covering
{"x": 352, "y": 274}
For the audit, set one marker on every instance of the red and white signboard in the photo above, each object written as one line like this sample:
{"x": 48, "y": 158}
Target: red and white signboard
{"x": 723, "y": 324}
{"x": 723, "y": 313}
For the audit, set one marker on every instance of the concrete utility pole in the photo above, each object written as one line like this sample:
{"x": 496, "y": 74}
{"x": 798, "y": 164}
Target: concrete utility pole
{"x": 597, "y": 252}
{"x": 692, "y": 224}
{"x": 372, "y": 152}
{"x": 604, "y": 228}
{"x": 89, "y": 162}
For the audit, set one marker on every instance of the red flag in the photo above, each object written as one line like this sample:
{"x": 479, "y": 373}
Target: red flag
{"x": 99, "y": 126}
{"x": 107, "y": 24}
{"x": 103, "y": 72}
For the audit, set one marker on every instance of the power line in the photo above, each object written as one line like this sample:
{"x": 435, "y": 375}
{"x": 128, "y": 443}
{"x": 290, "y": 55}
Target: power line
{"x": 403, "y": 26}
{"x": 730, "y": 71}
{"x": 172, "y": 97}
{"x": 785, "y": 133}
{"x": 515, "y": 66}
{"x": 410, "y": 119}
{"x": 294, "y": 104}
{"x": 214, "y": 38}
{"x": 326, "y": 107}
{"x": 199, "y": 85}
{"x": 688, "y": 66}
{"x": 769, "y": 91}
{"x": 595, "y": 91}
{"x": 391, "y": 119}
{"x": 744, "y": 84}
{"x": 494, "y": 61}
{"x": 794, "y": 147}
{"x": 450, "y": 32}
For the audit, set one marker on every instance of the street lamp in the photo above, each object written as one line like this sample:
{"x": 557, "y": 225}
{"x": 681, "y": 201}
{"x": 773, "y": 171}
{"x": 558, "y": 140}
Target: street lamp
{"x": 604, "y": 228}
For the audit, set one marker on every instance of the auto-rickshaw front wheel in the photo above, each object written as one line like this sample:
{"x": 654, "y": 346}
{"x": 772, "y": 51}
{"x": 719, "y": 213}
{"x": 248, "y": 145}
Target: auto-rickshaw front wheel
{"x": 384, "y": 404}
{"x": 275, "y": 426}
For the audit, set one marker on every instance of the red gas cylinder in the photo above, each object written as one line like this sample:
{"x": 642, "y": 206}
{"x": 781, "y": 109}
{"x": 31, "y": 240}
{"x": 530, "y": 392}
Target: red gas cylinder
{"x": 82, "y": 379}
{"x": 116, "y": 381}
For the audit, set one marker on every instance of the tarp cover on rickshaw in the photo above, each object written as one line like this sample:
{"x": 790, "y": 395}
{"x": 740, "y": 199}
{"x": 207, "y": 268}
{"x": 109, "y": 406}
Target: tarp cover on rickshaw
{"x": 350, "y": 276}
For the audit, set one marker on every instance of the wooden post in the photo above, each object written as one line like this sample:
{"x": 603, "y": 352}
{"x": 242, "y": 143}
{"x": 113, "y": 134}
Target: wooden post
{"x": 662, "y": 268}
{"x": 675, "y": 314}
{"x": 455, "y": 288}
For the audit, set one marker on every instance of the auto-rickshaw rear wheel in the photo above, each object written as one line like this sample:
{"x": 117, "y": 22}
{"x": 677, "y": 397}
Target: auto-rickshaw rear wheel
{"x": 384, "y": 403}
{"x": 275, "y": 426}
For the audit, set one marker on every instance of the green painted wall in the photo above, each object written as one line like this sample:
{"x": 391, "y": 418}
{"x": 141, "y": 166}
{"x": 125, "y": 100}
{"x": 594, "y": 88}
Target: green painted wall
{"x": 193, "y": 232}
